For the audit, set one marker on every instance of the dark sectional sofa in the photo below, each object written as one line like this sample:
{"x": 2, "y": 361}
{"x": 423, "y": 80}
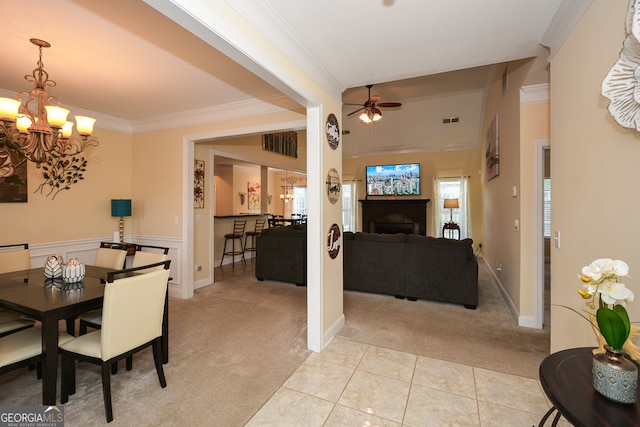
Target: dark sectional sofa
{"x": 281, "y": 254}
{"x": 402, "y": 265}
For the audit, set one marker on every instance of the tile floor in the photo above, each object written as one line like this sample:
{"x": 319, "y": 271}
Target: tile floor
{"x": 354, "y": 384}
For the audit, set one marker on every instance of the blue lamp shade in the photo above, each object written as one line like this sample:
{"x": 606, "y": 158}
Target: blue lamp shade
{"x": 120, "y": 207}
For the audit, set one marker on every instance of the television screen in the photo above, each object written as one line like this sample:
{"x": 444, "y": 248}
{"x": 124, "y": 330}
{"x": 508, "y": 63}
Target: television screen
{"x": 393, "y": 180}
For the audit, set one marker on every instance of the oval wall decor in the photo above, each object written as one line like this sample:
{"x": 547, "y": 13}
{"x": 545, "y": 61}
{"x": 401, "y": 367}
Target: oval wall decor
{"x": 333, "y": 131}
{"x": 334, "y": 241}
{"x": 334, "y": 187}
{"x": 622, "y": 83}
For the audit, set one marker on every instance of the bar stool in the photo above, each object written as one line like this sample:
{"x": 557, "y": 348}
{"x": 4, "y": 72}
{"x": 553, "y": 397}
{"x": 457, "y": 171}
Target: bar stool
{"x": 238, "y": 233}
{"x": 257, "y": 229}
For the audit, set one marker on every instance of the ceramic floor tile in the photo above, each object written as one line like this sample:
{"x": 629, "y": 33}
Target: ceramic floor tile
{"x": 499, "y": 416}
{"x": 377, "y": 395}
{"x": 342, "y": 416}
{"x": 427, "y": 407}
{"x": 320, "y": 379}
{"x": 289, "y": 408}
{"x": 390, "y": 363}
{"x": 510, "y": 391}
{"x": 445, "y": 376}
{"x": 342, "y": 352}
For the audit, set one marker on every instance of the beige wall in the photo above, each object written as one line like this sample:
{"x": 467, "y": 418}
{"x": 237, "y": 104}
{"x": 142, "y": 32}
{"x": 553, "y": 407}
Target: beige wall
{"x": 84, "y": 211}
{"x": 594, "y": 168}
{"x": 444, "y": 163}
{"x": 534, "y": 125}
{"x": 502, "y": 242}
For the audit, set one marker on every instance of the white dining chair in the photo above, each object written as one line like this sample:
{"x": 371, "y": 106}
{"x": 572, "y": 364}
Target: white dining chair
{"x": 93, "y": 318}
{"x": 14, "y": 257}
{"x": 24, "y": 348}
{"x": 131, "y": 321}
{"x": 111, "y": 258}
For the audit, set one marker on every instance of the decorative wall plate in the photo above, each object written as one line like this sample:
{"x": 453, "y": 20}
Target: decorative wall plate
{"x": 621, "y": 85}
{"x": 334, "y": 186}
{"x": 333, "y": 131}
{"x": 334, "y": 241}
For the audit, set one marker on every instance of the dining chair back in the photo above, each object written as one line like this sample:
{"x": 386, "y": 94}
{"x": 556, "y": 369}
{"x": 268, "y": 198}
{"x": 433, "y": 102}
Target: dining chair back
{"x": 131, "y": 321}
{"x": 111, "y": 258}
{"x": 15, "y": 257}
{"x": 149, "y": 254}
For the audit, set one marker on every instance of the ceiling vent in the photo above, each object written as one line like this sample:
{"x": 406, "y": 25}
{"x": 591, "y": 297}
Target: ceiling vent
{"x": 451, "y": 120}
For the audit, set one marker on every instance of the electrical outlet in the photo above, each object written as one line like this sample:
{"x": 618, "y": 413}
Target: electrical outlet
{"x": 198, "y": 267}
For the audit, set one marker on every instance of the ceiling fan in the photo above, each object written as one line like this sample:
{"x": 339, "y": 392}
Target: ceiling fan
{"x": 371, "y": 108}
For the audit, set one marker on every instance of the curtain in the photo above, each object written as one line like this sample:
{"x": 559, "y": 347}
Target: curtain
{"x": 349, "y": 206}
{"x": 452, "y": 188}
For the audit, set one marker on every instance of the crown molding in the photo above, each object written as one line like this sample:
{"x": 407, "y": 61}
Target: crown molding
{"x": 217, "y": 113}
{"x": 103, "y": 121}
{"x": 566, "y": 17}
{"x": 534, "y": 94}
{"x": 267, "y": 20}
{"x": 346, "y": 153}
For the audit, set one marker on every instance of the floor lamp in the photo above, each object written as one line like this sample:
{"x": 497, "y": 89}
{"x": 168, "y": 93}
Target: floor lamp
{"x": 121, "y": 208}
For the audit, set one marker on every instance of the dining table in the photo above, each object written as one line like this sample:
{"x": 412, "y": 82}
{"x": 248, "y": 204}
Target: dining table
{"x": 30, "y": 293}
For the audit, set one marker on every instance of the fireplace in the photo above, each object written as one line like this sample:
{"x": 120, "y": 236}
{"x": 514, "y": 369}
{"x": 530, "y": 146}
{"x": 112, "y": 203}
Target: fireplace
{"x": 394, "y": 223}
{"x": 407, "y": 216}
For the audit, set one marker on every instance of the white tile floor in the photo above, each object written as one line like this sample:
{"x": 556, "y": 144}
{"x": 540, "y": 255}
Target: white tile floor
{"x": 353, "y": 384}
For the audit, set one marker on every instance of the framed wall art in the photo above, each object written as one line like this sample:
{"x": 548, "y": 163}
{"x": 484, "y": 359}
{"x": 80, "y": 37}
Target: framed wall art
{"x": 492, "y": 155}
{"x": 198, "y": 184}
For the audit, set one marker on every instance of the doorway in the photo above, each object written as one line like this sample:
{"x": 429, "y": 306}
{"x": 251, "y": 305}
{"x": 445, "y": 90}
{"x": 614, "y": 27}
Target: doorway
{"x": 542, "y": 177}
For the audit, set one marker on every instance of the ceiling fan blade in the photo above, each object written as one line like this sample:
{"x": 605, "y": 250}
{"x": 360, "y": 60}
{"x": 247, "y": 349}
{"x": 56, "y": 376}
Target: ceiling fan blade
{"x": 348, "y": 103}
{"x": 388, "y": 104}
{"x": 353, "y": 112}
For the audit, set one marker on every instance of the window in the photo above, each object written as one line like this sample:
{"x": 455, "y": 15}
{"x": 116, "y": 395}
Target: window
{"x": 547, "y": 207}
{"x": 299, "y": 201}
{"x": 349, "y": 206}
{"x": 452, "y": 188}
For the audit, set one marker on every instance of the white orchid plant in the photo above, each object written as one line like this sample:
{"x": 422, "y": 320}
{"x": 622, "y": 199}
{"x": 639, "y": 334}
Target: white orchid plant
{"x": 607, "y": 297}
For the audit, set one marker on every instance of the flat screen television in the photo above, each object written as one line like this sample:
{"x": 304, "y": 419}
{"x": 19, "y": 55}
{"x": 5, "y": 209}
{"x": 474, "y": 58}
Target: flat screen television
{"x": 393, "y": 180}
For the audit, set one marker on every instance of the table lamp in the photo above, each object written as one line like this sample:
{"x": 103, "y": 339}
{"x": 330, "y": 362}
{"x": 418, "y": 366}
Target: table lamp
{"x": 121, "y": 208}
{"x": 451, "y": 204}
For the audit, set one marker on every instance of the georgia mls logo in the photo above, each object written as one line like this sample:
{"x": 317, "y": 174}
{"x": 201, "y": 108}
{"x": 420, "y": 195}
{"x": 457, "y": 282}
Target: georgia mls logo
{"x": 32, "y": 416}
{"x": 333, "y": 131}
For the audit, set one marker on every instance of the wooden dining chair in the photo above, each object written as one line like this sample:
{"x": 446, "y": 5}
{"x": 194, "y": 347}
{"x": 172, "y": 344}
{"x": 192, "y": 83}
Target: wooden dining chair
{"x": 14, "y": 257}
{"x": 131, "y": 321}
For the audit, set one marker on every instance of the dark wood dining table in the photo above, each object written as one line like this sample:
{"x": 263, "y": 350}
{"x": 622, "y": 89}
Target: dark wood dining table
{"x": 29, "y": 293}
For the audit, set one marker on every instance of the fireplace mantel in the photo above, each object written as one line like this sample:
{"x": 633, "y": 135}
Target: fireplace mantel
{"x": 412, "y": 210}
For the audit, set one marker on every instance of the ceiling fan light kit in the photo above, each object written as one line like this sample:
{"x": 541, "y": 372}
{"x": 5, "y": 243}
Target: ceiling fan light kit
{"x": 370, "y": 111}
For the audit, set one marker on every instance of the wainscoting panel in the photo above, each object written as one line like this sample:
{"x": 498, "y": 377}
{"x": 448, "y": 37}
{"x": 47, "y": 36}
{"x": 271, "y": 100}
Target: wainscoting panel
{"x": 86, "y": 250}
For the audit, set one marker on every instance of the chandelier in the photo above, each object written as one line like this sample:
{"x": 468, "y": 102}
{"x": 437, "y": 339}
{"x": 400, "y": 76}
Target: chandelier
{"x": 287, "y": 189}
{"x": 34, "y": 128}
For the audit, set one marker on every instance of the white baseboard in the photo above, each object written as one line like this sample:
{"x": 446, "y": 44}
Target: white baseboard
{"x": 333, "y": 330}
{"x": 524, "y": 321}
